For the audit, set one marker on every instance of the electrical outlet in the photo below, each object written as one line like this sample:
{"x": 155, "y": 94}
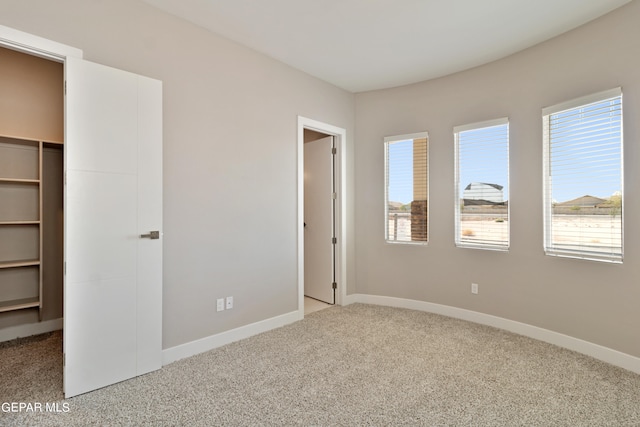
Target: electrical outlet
{"x": 229, "y": 303}
{"x": 220, "y": 304}
{"x": 474, "y": 288}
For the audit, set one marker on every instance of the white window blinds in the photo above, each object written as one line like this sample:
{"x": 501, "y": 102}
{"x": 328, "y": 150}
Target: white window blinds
{"x": 406, "y": 188}
{"x": 482, "y": 185}
{"x": 583, "y": 162}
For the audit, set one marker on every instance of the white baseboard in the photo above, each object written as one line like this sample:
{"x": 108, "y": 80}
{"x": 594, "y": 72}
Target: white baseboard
{"x": 20, "y": 331}
{"x": 192, "y": 348}
{"x": 596, "y": 351}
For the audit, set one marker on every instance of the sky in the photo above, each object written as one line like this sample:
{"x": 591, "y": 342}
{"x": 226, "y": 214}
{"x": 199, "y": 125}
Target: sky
{"x": 591, "y": 131}
{"x": 401, "y": 171}
{"x": 587, "y": 152}
{"x": 483, "y": 157}
{"x": 487, "y": 164}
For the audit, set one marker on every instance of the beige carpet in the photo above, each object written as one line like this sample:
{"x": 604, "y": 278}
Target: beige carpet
{"x": 347, "y": 366}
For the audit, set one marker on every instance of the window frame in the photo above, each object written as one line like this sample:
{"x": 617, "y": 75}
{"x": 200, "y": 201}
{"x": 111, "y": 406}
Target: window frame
{"x": 457, "y": 205}
{"x": 547, "y": 196}
{"x": 387, "y": 141}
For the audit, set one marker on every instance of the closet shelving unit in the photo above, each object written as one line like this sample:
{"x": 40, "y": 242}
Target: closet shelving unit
{"x": 21, "y": 229}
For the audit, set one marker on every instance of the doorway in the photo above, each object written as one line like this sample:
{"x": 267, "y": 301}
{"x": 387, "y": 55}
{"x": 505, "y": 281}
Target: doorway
{"x": 112, "y": 224}
{"x": 31, "y": 217}
{"x": 321, "y": 195}
{"x": 31, "y": 189}
{"x": 319, "y": 217}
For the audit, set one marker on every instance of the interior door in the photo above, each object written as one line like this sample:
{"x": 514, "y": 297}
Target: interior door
{"x": 113, "y": 195}
{"x": 319, "y": 219}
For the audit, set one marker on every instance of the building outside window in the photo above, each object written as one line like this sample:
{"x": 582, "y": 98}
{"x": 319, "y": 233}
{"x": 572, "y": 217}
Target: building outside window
{"x": 482, "y": 185}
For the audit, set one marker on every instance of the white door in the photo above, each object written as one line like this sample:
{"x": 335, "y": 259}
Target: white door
{"x": 319, "y": 219}
{"x": 113, "y": 194}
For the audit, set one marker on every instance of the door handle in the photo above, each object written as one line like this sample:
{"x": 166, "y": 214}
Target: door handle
{"x": 153, "y": 235}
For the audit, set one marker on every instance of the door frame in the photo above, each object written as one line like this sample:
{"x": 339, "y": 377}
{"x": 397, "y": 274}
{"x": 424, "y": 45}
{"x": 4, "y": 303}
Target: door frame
{"x": 37, "y": 46}
{"x": 340, "y": 139}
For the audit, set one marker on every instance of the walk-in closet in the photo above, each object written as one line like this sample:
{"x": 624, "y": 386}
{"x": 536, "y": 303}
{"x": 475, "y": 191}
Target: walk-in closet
{"x": 31, "y": 189}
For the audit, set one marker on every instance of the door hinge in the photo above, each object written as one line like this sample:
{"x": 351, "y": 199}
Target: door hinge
{"x": 64, "y": 272}
{"x": 64, "y": 359}
{"x": 65, "y": 87}
{"x": 334, "y": 195}
{"x": 334, "y": 285}
{"x": 334, "y": 151}
{"x": 334, "y": 240}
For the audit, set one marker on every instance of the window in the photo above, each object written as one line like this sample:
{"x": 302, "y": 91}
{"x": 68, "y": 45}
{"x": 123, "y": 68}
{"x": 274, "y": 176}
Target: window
{"x": 482, "y": 185}
{"x": 406, "y": 188}
{"x": 583, "y": 187}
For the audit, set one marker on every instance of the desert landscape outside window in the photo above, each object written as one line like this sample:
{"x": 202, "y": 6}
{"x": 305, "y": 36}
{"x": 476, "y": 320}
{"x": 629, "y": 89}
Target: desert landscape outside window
{"x": 583, "y": 163}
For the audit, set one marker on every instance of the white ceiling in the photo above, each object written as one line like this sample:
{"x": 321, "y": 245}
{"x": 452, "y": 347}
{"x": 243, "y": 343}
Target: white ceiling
{"x": 363, "y": 45}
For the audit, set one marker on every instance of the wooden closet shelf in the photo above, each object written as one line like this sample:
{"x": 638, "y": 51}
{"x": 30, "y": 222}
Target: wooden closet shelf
{"x": 21, "y": 181}
{"x": 14, "y": 139}
{"x": 15, "y": 264}
{"x": 18, "y": 304}
{"x": 19, "y": 222}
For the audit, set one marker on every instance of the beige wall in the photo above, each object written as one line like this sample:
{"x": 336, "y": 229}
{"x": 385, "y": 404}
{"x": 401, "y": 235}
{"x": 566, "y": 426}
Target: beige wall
{"x": 594, "y": 301}
{"x": 230, "y": 135}
{"x": 31, "y": 101}
{"x": 312, "y": 135}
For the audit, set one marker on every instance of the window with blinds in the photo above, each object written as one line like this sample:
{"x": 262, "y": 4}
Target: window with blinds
{"x": 406, "y": 188}
{"x": 583, "y": 186}
{"x": 482, "y": 185}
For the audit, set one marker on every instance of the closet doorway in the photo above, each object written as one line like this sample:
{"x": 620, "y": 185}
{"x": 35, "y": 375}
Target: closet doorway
{"x": 31, "y": 215}
{"x": 31, "y": 189}
{"x": 112, "y": 229}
